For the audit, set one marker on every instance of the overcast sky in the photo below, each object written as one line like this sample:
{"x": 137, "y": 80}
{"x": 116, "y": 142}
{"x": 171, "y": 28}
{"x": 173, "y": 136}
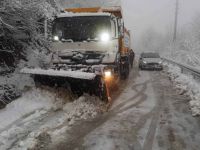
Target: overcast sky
{"x": 141, "y": 15}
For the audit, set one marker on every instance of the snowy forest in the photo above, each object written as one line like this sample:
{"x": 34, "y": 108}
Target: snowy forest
{"x": 22, "y": 29}
{"x": 22, "y": 39}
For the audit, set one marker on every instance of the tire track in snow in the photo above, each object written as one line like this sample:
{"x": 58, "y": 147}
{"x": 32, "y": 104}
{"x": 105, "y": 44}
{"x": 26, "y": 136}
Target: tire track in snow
{"x": 140, "y": 93}
{"x": 32, "y": 127}
{"x": 149, "y": 140}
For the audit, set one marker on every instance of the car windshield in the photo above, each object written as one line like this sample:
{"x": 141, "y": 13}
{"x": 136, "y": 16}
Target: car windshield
{"x": 150, "y": 55}
{"x": 81, "y": 28}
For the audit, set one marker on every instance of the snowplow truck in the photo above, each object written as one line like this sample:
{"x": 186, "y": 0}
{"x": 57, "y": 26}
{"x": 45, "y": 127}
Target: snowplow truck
{"x": 90, "y": 51}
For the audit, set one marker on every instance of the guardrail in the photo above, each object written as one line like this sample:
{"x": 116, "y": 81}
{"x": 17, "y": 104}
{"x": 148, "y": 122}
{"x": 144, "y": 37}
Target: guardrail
{"x": 185, "y": 69}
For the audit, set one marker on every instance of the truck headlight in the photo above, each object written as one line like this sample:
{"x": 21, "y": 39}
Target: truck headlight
{"x": 108, "y": 74}
{"x": 105, "y": 37}
{"x": 56, "y": 38}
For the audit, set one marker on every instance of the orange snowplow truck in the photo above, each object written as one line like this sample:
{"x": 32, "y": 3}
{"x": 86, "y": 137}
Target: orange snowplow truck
{"x": 90, "y": 51}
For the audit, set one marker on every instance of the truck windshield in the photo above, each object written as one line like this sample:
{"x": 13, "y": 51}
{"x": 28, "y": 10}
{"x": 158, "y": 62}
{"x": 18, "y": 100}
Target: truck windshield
{"x": 81, "y": 28}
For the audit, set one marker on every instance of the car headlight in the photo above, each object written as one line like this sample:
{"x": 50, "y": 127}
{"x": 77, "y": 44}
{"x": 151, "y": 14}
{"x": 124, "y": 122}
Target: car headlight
{"x": 56, "y": 38}
{"x": 160, "y": 62}
{"x": 105, "y": 37}
{"x": 144, "y": 62}
{"x": 108, "y": 74}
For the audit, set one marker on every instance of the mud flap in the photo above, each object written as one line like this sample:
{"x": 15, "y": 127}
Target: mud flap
{"x": 124, "y": 67}
{"x": 125, "y": 71}
{"x": 102, "y": 89}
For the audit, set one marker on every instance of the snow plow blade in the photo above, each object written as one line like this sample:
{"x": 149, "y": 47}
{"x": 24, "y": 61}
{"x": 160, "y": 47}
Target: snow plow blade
{"x": 59, "y": 73}
{"x": 78, "y": 82}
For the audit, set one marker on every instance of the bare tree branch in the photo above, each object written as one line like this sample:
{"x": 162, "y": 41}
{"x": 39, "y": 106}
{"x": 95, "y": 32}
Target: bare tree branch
{"x": 1, "y": 20}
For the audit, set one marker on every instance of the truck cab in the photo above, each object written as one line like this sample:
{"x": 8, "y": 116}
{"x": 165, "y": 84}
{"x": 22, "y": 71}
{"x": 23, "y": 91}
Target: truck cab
{"x": 95, "y": 35}
{"x": 92, "y": 36}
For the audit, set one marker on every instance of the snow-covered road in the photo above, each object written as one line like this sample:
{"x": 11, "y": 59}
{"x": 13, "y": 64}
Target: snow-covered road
{"x": 146, "y": 114}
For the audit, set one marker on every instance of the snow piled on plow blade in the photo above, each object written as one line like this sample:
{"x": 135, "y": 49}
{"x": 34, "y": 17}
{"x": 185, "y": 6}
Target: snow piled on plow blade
{"x": 89, "y": 3}
{"x": 59, "y": 73}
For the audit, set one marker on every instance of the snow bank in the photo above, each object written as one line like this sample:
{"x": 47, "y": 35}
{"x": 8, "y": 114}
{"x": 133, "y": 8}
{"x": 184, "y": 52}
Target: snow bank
{"x": 31, "y": 101}
{"x": 187, "y": 85}
{"x": 17, "y": 109}
{"x": 23, "y": 112}
{"x": 83, "y": 108}
{"x": 188, "y": 58}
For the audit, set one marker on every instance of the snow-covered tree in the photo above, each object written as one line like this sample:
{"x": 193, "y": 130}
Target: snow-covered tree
{"x": 22, "y": 27}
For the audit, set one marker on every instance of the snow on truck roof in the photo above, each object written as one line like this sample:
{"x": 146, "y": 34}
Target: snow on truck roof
{"x": 93, "y": 11}
{"x": 70, "y": 14}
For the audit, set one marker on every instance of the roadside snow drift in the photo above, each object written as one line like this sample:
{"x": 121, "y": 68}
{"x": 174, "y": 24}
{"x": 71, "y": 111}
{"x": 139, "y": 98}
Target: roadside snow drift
{"x": 28, "y": 103}
{"x": 187, "y": 85}
{"x": 43, "y": 111}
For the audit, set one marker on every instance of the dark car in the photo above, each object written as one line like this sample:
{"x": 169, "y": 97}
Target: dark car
{"x": 150, "y": 61}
